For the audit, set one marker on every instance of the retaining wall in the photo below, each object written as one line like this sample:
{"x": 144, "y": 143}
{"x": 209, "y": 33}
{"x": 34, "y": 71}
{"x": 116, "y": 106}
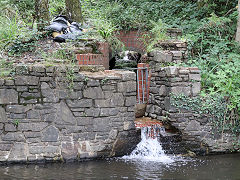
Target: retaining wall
{"x": 196, "y": 130}
{"x": 48, "y": 114}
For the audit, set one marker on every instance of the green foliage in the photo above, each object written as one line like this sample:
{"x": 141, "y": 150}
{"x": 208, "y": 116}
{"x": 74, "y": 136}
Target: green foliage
{"x": 215, "y": 52}
{"x": 133, "y": 14}
{"x": 215, "y": 107}
{"x": 56, "y": 7}
{"x": 157, "y": 33}
{"x": 104, "y": 28}
{"x": 106, "y": 31}
{"x": 6, "y": 68}
{"x": 24, "y": 9}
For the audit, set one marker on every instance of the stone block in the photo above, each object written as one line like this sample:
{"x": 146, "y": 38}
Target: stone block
{"x": 64, "y": 114}
{"x": 140, "y": 110}
{"x": 181, "y": 90}
{"x": 80, "y": 103}
{"x": 196, "y": 88}
{"x": 154, "y": 90}
{"x": 33, "y": 140}
{"x": 79, "y": 77}
{"x": 1, "y": 82}
{"x": 3, "y": 117}
{"x": 92, "y": 112}
{"x": 18, "y": 152}
{"x": 127, "y": 75}
{"x": 28, "y": 95}
{"x": 28, "y": 101}
{"x": 10, "y": 128}
{"x": 46, "y": 79}
{"x": 93, "y": 93}
{"x": 162, "y": 56}
{"x": 14, "y": 136}
{"x": 75, "y": 129}
{"x": 79, "y": 114}
{"x": 8, "y": 96}
{"x": 69, "y": 150}
{"x": 194, "y": 70}
{"x": 84, "y": 136}
{"x": 50, "y": 134}
{"x": 177, "y": 53}
{"x": 129, "y": 86}
{"x": 93, "y": 83}
{"x": 171, "y": 71}
{"x": 82, "y": 121}
{"x": 113, "y": 134}
{"x": 130, "y": 101}
{"x": 26, "y": 80}
{"x": 175, "y": 79}
{"x": 183, "y": 71}
{"x": 38, "y": 68}
{"x": 109, "y": 112}
{"x": 117, "y": 99}
{"x": 32, "y": 134}
{"x": 17, "y": 116}
{"x": 49, "y": 118}
{"x": 78, "y": 85}
{"x": 18, "y": 109}
{"x": 101, "y": 124}
{"x": 44, "y": 150}
{"x": 48, "y": 93}
{"x": 128, "y": 125}
{"x": 33, "y": 114}
{"x": 109, "y": 88}
{"x": 5, "y": 146}
{"x": 162, "y": 91}
{"x": 150, "y": 108}
{"x": 193, "y": 126}
{"x": 9, "y": 82}
{"x": 36, "y": 126}
{"x": 102, "y": 103}
{"x": 195, "y": 77}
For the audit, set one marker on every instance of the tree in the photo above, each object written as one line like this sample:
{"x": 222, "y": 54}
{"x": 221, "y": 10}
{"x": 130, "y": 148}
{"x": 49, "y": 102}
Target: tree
{"x": 238, "y": 24}
{"x": 74, "y": 10}
{"x": 41, "y": 13}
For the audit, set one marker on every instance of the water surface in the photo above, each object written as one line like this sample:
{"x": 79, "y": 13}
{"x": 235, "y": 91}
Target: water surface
{"x": 215, "y": 167}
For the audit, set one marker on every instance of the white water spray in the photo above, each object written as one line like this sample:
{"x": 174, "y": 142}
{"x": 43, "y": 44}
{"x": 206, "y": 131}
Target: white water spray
{"x": 150, "y": 149}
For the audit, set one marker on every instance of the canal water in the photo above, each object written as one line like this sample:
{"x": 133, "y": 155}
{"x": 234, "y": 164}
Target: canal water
{"x": 222, "y": 167}
{"x": 147, "y": 161}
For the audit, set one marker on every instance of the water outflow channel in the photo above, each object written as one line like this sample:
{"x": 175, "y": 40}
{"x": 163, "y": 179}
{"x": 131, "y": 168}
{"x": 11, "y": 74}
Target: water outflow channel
{"x": 150, "y": 149}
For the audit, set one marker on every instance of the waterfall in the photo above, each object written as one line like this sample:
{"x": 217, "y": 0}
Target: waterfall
{"x": 150, "y": 149}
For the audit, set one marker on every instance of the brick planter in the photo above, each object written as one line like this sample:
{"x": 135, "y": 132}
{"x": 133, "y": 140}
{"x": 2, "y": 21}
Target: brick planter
{"x": 96, "y": 59}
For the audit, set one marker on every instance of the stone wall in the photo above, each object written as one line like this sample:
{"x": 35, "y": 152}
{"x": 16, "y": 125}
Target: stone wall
{"x": 195, "y": 131}
{"x": 168, "y": 52}
{"x": 55, "y": 113}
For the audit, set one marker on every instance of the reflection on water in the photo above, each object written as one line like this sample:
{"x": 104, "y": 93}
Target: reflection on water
{"x": 210, "y": 167}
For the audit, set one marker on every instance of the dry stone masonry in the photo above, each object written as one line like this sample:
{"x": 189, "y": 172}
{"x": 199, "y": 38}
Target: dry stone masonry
{"x": 44, "y": 115}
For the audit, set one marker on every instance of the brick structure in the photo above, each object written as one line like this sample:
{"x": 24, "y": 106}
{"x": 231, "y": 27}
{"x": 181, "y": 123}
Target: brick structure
{"x": 96, "y": 59}
{"x": 133, "y": 40}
